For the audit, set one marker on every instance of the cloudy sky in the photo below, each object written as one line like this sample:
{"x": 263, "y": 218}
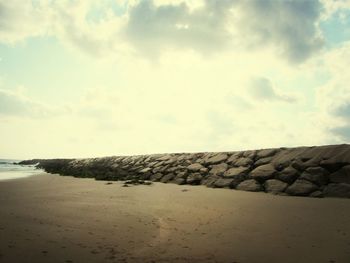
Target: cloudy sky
{"x": 114, "y": 77}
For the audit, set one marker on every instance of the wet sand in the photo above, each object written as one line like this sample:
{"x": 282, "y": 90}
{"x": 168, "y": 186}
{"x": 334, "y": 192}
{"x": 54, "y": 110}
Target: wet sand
{"x": 49, "y": 218}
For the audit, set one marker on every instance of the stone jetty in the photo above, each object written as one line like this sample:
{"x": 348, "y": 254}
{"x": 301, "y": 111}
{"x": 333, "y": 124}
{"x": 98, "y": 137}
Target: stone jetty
{"x": 319, "y": 171}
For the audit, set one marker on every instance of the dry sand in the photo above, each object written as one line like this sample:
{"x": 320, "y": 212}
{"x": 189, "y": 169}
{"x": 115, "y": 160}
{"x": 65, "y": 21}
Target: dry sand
{"x": 49, "y": 218}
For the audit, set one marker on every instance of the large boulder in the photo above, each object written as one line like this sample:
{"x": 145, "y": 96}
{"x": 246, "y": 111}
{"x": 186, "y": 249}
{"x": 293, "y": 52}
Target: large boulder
{"x": 181, "y": 174}
{"x": 263, "y": 161}
{"x": 194, "y": 178}
{"x": 337, "y": 190}
{"x": 275, "y": 186}
{"x": 217, "y": 158}
{"x": 233, "y": 158}
{"x": 341, "y": 176}
{"x": 156, "y": 177}
{"x": 223, "y": 183}
{"x": 204, "y": 170}
{"x": 172, "y": 160}
{"x": 288, "y": 175}
{"x": 316, "y": 194}
{"x": 236, "y": 171}
{"x": 249, "y": 154}
{"x": 179, "y": 180}
{"x": 243, "y": 161}
{"x": 298, "y": 164}
{"x": 157, "y": 169}
{"x": 284, "y": 157}
{"x": 158, "y": 164}
{"x": 317, "y": 175}
{"x": 218, "y": 169}
{"x": 195, "y": 167}
{"x": 164, "y": 157}
{"x": 301, "y": 187}
{"x": 249, "y": 185}
{"x": 168, "y": 177}
{"x": 266, "y": 153}
{"x": 263, "y": 172}
{"x": 145, "y": 170}
{"x": 333, "y": 156}
{"x": 210, "y": 180}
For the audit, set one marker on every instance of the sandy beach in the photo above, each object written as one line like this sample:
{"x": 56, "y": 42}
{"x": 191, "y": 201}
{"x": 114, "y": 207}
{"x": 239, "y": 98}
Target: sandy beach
{"x": 50, "y": 218}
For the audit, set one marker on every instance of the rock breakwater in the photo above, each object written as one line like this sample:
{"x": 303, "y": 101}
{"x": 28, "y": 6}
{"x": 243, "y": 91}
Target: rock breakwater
{"x": 320, "y": 171}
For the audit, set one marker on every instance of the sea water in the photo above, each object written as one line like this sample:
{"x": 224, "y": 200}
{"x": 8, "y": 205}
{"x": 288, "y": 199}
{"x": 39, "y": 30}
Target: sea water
{"x": 10, "y": 170}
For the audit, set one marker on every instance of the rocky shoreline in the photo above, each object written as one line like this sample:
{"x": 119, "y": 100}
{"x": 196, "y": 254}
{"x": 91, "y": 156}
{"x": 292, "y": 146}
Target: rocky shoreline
{"x": 319, "y": 171}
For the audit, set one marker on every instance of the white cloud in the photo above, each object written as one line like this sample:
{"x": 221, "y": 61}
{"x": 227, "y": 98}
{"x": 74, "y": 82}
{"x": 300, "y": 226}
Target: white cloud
{"x": 334, "y": 6}
{"x": 289, "y": 26}
{"x": 262, "y": 89}
{"x": 152, "y": 27}
{"x": 334, "y": 96}
{"x": 18, "y": 105}
{"x": 20, "y": 20}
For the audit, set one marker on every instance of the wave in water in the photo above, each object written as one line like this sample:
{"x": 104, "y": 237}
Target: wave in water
{"x": 10, "y": 170}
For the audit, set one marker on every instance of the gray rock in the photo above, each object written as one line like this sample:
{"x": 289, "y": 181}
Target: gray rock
{"x": 233, "y": 158}
{"x": 200, "y": 160}
{"x": 298, "y": 164}
{"x": 317, "y": 170}
{"x": 218, "y": 158}
{"x": 204, "y": 170}
{"x": 179, "y": 181}
{"x": 156, "y": 177}
{"x": 334, "y": 164}
{"x": 145, "y": 170}
{"x": 157, "y": 169}
{"x": 209, "y": 181}
{"x": 263, "y": 161}
{"x": 313, "y": 162}
{"x": 236, "y": 171}
{"x": 275, "y": 186}
{"x": 195, "y": 167}
{"x": 168, "y": 177}
{"x": 171, "y": 169}
{"x": 317, "y": 175}
{"x": 194, "y": 178}
{"x": 163, "y": 168}
{"x": 301, "y": 187}
{"x": 316, "y": 194}
{"x": 164, "y": 157}
{"x": 151, "y": 164}
{"x": 171, "y": 161}
{"x": 263, "y": 172}
{"x": 337, "y": 190}
{"x": 158, "y": 164}
{"x": 288, "y": 175}
{"x": 218, "y": 169}
{"x": 249, "y": 154}
{"x": 223, "y": 183}
{"x": 249, "y": 185}
{"x": 266, "y": 153}
{"x": 341, "y": 176}
{"x": 243, "y": 161}
{"x": 180, "y": 168}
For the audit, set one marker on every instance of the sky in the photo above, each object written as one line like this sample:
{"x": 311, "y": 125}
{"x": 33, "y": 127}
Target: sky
{"x": 114, "y": 77}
